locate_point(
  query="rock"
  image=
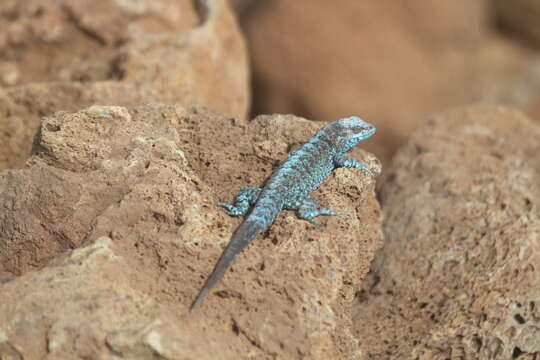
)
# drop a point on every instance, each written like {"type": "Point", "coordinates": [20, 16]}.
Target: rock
{"type": "Point", "coordinates": [147, 51]}
{"type": "Point", "coordinates": [206, 66]}
{"type": "Point", "coordinates": [458, 276]}
{"type": "Point", "coordinates": [22, 107]}
{"type": "Point", "coordinates": [148, 178]}
{"type": "Point", "coordinates": [89, 305]}
{"type": "Point", "coordinates": [392, 64]}
{"type": "Point", "coordinates": [74, 40]}
{"type": "Point", "coordinates": [124, 156]}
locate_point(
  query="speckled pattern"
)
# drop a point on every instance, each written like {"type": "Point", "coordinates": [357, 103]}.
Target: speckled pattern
{"type": "Point", "coordinates": [289, 186]}
{"type": "Point", "coordinates": [458, 276]}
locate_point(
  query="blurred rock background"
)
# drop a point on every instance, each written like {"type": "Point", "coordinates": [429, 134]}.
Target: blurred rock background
{"type": "Point", "coordinates": [391, 62]}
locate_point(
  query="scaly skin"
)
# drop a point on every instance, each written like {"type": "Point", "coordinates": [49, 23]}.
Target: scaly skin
{"type": "Point", "coordinates": [289, 186]}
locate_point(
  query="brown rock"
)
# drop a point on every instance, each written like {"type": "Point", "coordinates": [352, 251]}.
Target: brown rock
{"type": "Point", "coordinates": [148, 178]}
{"type": "Point", "coordinates": [77, 40]}
{"type": "Point", "coordinates": [87, 305]}
{"type": "Point", "coordinates": [458, 276]}
{"type": "Point", "coordinates": [148, 51]}
{"type": "Point", "coordinates": [206, 66]}
{"type": "Point", "coordinates": [22, 107]}
{"type": "Point", "coordinates": [121, 154]}
{"type": "Point", "coordinates": [391, 63]}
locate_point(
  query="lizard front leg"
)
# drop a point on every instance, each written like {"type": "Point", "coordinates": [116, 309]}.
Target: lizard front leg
{"type": "Point", "coordinates": [247, 196]}
{"type": "Point", "coordinates": [350, 162]}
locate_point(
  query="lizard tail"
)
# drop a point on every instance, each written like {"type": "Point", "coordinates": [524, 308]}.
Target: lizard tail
{"type": "Point", "coordinates": [243, 235]}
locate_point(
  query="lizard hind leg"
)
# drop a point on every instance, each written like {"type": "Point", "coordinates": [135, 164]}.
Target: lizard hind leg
{"type": "Point", "coordinates": [308, 211]}
{"type": "Point", "coordinates": [247, 196]}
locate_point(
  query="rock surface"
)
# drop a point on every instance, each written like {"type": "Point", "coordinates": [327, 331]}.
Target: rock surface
{"type": "Point", "coordinates": [458, 276]}
{"type": "Point", "coordinates": [22, 108]}
{"type": "Point", "coordinates": [392, 64]}
{"type": "Point", "coordinates": [114, 53]}
{"type": "Point", "coordinates": [88, 306]}
{"type": "Point", "coordinates": [148, 179]}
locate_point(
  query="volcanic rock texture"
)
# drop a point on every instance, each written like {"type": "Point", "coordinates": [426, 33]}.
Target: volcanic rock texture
{"type": "Point", "coordinates": [66, 55]}
{"type": "Point", "coordinates": [134, 192]}
{"type": "Point", "coordinates": [459, 274]}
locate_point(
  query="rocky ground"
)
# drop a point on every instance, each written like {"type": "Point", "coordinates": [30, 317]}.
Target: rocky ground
{"type": "Point", "coordinates": [460, 267]}
{"type": "Point", "coordinates": [134, 192]}
{"type": "Point", "coordinates": [67, 55]}
{"type": "Point", "coordinates": [123, 123]}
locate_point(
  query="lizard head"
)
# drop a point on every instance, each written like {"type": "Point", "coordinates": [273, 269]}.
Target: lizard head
{"type": "Point", "coordinates": [347, 132]}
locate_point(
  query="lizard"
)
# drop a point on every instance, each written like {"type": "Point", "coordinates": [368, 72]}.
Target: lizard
{"type": "Point", "coordinates": [289, 187]}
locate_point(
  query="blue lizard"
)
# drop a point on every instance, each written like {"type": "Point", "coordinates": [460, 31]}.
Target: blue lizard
{"type": "Point", "coordinates": [288, 188]}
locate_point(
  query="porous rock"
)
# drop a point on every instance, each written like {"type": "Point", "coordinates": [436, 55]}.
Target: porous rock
{"type": "Point", "coordinates": [458, 276]}
{"type": "Point", "coordinates": [148, 178]}
{"type": "Point", "coordinates": [86, 305]}
{"type": "Point", "coordinates": [75, 40]}
{"type": "Point", "coordinates": [69, 55]}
